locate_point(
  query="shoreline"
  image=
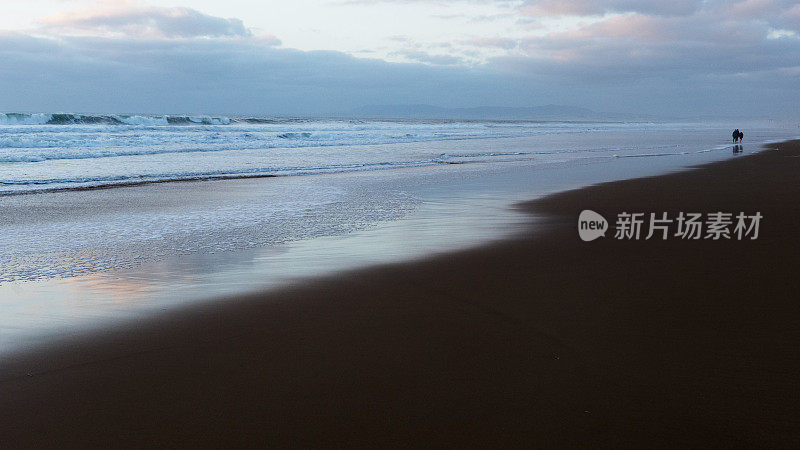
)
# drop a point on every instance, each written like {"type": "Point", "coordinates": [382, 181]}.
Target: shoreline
{"type": "Point", "coordinates": [538, 339]}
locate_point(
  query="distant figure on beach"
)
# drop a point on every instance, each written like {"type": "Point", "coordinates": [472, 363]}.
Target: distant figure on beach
{"type": "Point", "coordinates": [741, 136]}
{"type": "Point", "coordinates": [735, 135]}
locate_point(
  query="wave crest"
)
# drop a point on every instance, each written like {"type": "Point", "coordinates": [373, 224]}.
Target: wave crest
{"type": "Point", "coordinates": [113, 119]}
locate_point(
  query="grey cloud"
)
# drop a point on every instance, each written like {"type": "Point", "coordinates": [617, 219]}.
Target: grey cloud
{"type": "Point", "coordinates": [97, 74]}
{"type": "Point", "coordinates": [718, 57]}
{"type": "Point", "coordinates": [789, 19]}
{"type": "Point", "coordinates": [149, 21]}
{"type": "Point", "coordinates": [719, 40]}
{"type": "Point", "coordinates": [592, 7]}
{"type": "Point", "coordinates": [504, 43]}
{"type": "Point", "coordinates": [20, 43]}
{"type": "Point", "coordinates": [425, 57]}
{"type": "Point", "coordinates": [443, 2]}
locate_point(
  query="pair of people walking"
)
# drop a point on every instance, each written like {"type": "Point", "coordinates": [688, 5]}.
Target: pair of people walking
{"type": "Point", "coordinates": [737, 135]}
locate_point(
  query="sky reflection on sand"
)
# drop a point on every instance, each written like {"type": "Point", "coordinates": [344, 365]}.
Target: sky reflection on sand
{"type": "Point", "coordinates": [40, 310]}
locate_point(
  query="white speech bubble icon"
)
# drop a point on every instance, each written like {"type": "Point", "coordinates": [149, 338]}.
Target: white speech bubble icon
{"type": "Point", "coordinates": [591, 225]}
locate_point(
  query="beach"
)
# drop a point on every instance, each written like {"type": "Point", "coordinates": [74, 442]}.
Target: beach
{"type": "Point", "coordinates": [538, 339]}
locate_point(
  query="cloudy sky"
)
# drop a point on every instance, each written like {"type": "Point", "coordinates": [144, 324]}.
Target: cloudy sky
{"type": "Point", "coordinates": [675, 58]}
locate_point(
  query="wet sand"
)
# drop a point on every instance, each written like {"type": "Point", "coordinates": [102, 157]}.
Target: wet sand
{"type": "Point", "coordinates": [542, 339]}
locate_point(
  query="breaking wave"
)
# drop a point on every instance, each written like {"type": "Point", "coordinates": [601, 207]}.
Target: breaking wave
{"type": "Point", "coordinates": [112, 119]}
{"type": "Point", "coordinates": [63, 151]}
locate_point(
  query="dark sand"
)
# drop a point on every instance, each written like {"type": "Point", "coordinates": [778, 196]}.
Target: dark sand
{"type": "Point", "coordinates": [543, 339]}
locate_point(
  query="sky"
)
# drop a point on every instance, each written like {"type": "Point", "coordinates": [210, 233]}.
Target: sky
{"type": "Point", "coordinates": [678, 58]}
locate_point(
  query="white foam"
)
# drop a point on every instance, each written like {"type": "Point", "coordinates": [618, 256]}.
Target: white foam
{"type": "Point", "coordinates": [143, 120]}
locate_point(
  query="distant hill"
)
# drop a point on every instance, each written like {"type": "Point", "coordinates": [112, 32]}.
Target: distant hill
{"type": "Point", "coordinates": [547, 112]}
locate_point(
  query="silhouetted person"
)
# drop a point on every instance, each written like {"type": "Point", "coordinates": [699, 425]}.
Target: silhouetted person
{"type": "Point", "coordinates": [735, 135]}
{"type": "Point", "coordinates": [741, 136]}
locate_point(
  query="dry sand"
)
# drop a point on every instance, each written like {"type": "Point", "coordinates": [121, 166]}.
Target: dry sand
{"type": "Point", "coordinates": [543, 339]}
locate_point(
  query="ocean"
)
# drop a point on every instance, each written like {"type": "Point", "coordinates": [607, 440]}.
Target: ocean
{"type": "Point", "coordinates": [49, 152]}
{"type": "Point", "coordinates": [103, 217]}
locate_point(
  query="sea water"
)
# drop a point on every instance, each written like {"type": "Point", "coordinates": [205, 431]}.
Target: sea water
{"type": "Point", "coordinates": [107, 216]}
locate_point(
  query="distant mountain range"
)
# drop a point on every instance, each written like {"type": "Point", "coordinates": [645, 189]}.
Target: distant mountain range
{"type": "Point", "coordinates": [547, 112]}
